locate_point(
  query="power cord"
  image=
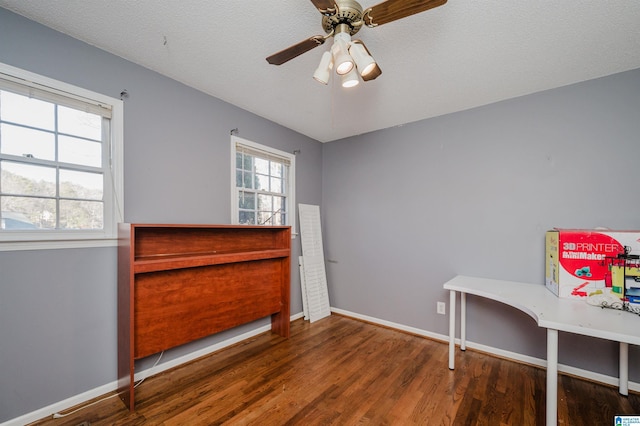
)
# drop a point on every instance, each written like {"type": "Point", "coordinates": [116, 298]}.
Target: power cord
{"type": "Point", "coordinates": [60, 415]}
{"type": "Point", "coordinates": [153, 366]}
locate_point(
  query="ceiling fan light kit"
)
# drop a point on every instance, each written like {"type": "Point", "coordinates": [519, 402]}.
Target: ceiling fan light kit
{"type": "Point", "coordinates": [365, 63]}
{"type": "Point", "coordinates": [340, 51]}
{"type": "Point", "coordinates": [323, 72]}
{"type": "Point", "coordinates": [341, 19]}
{"type": "Point", "coordinates": [350, 79]}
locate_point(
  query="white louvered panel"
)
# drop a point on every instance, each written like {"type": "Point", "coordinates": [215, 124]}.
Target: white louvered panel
{"type": "Point", "coordinates": [315, 279]}
{"type": "Point", "coordinates": [303, 286]}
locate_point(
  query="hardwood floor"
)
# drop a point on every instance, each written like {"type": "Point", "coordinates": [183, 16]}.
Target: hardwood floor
{"type": "Point", "coordinates": [340, 371]}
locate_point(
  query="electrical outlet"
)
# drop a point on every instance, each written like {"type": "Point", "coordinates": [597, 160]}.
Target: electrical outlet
{"type": "Point", "coordinates": [442, 308]}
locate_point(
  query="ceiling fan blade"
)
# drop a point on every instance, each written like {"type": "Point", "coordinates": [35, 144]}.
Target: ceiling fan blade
{"type": "Point", "coordinates": [326, 7]}
{"type": "Point", "coordinates": [392, 10]}
{"type": "Point", "coordinates": [295, 50]}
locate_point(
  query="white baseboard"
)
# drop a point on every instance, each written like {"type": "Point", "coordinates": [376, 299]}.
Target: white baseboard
{"type": "Point", "coordinates": [567, 369]}
{"type": "Point", "coordinates": [395, 325]}
{"type": "Point", "coordinates": [61, 405]}
{"type": "Point", "coordinates": [110, 387]}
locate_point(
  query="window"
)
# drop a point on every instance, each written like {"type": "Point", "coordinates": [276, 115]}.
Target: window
{"type": "Point", "coordinates": [263, 184]}
{"type": "Point", "coordinates": [60, 163]}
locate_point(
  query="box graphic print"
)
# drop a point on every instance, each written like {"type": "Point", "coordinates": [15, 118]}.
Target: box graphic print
{"type": "Point", "coordinates": [582, 261]}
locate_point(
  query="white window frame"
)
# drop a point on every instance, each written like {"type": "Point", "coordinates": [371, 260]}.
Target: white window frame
{"type": "Point", "coordinates": [291, 179]}
{"type": "Point", "coordinates": [113, 180]}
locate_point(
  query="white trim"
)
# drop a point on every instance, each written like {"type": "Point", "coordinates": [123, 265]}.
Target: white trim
{"type": "Point", "coordinates": [26, 83]}
{"type": "Point", "coordinates": [291, 179]}
{"type": "Point", "coordinates": [113, 386]}
{"type": "Point", "coordinates": [514, 356]}
{"type": "Point", "coordinates": [57, 244]}
{"type": "Point", "coordinates": [30, 89]}
{"type": "Point", "coordinates": [114, 205]}
{"type": "Point", "coordinates": [232, 181]}
{"type": "Point", "coordinates": [61, 405]}
{"type": "Point", "coordinates": [395, 325]}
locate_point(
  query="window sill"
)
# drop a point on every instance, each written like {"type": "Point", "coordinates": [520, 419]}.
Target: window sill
{"type": "Point", "coordinates": [57, 244]}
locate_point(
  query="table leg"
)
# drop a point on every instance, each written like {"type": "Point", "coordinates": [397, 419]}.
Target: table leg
{"type": "Point", "coordinates": [552, 377]}
{"type": "Point", "coordinates": [624, 369]}
{"type": "Point", "coordinates": [452, 329]}
{"type": "Point", "coordinates": [463, 321]}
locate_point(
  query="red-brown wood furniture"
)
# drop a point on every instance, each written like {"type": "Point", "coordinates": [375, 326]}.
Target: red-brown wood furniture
{"type": "Point", "coordinates": [179, 283]}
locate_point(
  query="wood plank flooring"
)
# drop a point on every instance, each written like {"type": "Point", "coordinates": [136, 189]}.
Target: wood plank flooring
{"type": "Point", "coordinates": [340, 371]}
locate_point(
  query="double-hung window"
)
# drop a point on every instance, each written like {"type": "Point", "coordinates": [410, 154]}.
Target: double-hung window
{"type": "Point", "coordinates": [60, 163]}
{"type": "Point", "coordinates": [263, 184]}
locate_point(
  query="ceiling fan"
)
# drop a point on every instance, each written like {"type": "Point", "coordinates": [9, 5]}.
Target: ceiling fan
{"type": "Point", "coordinates": [341, 19]}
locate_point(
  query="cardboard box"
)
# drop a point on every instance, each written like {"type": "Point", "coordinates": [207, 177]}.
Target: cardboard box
{"type": "Point", "coordinates": [582, 261]}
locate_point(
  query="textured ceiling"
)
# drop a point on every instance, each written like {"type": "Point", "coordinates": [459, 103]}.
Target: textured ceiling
{"type": "Point", "coordinates": [461, 55]}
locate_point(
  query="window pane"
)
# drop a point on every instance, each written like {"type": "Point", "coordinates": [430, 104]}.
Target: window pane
{"type": "Point", "coordinates": [262, 182]}
{"type": "Point", "coordinates": [26, 142]}
{"type": "Point", "coordinates": [28, 111]}
{"type": "Point", "coordinates": [270, 218]}
{"type": "Point", "coordinates": [15, 220]}
{"type": "Point", "coordinates": [276, 185]}
{"type": "Point", "coordinates": [247, 200]}
{"type": "Point", "coordinates": [81, 214]}
{"type": "Point", "coordinates": [264, 218]}
{"type": "Point", "coordinates": [276, 169]}
{"type": "Point", "coordinates": [265, 202]}
{"type": "Point", "coordinates": [83, 185]}
{"type": "Point", "coordinates": [55, 166]}
{"type": "Point", "coordinates": [79, 123]}
{"type": "Point", "coordinates": [267, 179]}
{"type": "Point", "coordinates": [248, 162]}
{"type": "Point", "coordinates": [79, 151]}
{"type": "Point", "coordinates": [278, 204]}
{"type": "Point", "coordinates": [247, 218]}
{"type": "Point", "coordinates": [24, 179]}
{"type": "Point", "coordinates": [278, 219]}
{"type": "Point", "coordinates": [248, 181]}
{"type": "Point", "coordinates": [262, 166]}
{"type": "Point", "coordinates": [28, 213]}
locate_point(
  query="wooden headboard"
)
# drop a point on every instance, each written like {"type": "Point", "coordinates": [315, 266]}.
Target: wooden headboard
{"type": "Point", "coordinates": [180, 283]}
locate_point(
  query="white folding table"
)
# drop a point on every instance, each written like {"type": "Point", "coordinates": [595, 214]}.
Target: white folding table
{"type": "Point", "coordinates": [553, 313]}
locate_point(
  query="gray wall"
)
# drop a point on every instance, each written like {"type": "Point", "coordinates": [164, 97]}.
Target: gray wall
{"type": "Point", "coordinates": [472, 193]}
{"type": "Point", "coordinates": [403, 210]}
{"type": "Point", "coordinates": [58, 307]}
